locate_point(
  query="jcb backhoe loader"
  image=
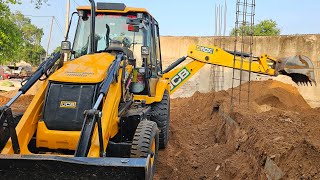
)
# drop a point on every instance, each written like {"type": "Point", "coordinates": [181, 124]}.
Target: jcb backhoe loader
{"type": "Point", "coordinates": [105, 112]}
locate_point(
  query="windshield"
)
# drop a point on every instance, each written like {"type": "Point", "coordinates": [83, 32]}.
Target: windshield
{"type": "Point", "coordinates": [119, 34]}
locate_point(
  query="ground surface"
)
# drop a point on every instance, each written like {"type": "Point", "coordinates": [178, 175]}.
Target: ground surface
{"type": "Point", "coordinates": [277, 136]}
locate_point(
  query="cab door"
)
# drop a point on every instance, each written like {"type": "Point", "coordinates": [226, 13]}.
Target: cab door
{"type": "Point", "coordinates": [158, 49]}
{"type": "Point", "coordinates": [155, 56]}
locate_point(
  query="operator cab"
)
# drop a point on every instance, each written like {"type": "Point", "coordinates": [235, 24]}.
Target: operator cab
{"type": "Point", "coordinates": [132, 31]}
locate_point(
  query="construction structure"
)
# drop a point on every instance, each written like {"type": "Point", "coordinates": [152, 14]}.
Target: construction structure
{"type": "Point", "coordinates": [243, 32]}
{"type": "Point", "coordinates": [217, 72]}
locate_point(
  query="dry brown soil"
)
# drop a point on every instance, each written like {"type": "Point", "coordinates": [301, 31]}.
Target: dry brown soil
{"type": "Point", "coordinates": [278, 125]}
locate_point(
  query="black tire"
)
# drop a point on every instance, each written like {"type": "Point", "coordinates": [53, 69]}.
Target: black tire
{"type": "Point", "coordinates": [146, 135]}
{"type": "Point", "coordinates": [161, 115]}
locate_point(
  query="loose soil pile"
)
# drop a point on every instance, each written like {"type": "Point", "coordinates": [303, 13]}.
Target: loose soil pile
{"type": "Point", "coordinates": [20, 105]}
{"type": "Point", "coordinates": [277, 136]}
{"type": "Point", "coordinates": [23, 101]}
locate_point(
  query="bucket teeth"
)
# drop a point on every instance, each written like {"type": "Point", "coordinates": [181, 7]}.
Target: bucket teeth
{"type": "Point", "coordinates": [304, 83]}
{"type": "Point", "coordinates": [300, 68]}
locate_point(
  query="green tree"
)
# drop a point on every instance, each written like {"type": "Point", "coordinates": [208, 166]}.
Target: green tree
{"type": "Point", "coordinates": [264, 28]}
{"type": "Point", "coordinates": [58, 49]}
{"type": "Point", "coordinates": [30, 48]}
{"type": "Point", "coordinates": [267, 28]}
{"type": "Point", "coordinates": [245, 30]}
{"type": "Point", "coordinates": [10, 34]}
{"type": "Point", "coordinates": [19, 39]}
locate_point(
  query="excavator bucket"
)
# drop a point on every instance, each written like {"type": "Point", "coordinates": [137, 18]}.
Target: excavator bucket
{"type": "Point", "coordinates": [300, 68]}
{"type": "Point", "coordinates": [58, 167]}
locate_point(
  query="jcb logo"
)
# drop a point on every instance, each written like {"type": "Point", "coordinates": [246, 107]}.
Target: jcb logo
{"type": "Point", "coordinates": [179, 78]}
{"type": "Point", "coordinates": [68, 104]}
{"type": "Point", "coordinates": [205, 49]}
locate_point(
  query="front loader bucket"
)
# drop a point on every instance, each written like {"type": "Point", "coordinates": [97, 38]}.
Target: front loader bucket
{"type": "Point", "coordinates": [300, 68]}
{"type": "Point", "coordinates": [58, 167]}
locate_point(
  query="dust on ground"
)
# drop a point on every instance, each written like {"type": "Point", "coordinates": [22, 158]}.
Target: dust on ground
{"type": "Point", "coordinates": [279, 127]}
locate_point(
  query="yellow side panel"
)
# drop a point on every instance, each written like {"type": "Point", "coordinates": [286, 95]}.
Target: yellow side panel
{"type": "Point", "coordinates": [109, 117]}
{"type": "Point", "coordinates": [28, 123]}
{"type": "Point", "coordinates": [85, 69]}
{"type": "Point", "coordinates": [53, 139]}
{"type": "Point", "coordinates": [162, 85]}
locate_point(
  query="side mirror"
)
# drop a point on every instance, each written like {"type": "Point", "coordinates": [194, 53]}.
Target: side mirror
{"type": "Point", "coordinates": [66, 46]}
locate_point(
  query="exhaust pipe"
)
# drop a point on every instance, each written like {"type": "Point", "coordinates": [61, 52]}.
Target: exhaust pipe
{"type": "Point", "coordinates": [93, 26]}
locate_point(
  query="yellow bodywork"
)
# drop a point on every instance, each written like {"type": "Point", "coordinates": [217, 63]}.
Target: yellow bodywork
{"type": "Point", "coordinates": [86, 69]}
{"type": "Point", "coordinates": [162, 85]}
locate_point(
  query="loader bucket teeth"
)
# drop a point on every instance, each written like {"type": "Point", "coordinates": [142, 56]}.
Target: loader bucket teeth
{"type": "Point", "coordinates": [300, 68]}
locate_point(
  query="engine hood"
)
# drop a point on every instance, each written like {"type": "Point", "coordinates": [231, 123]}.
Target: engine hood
{"type": "Point", "coordinates": [85, 69]}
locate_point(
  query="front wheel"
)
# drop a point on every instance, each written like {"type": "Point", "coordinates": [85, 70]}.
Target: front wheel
{"type": "Point", "coordinates": [146, 142]}
{"type": "Point", "coordinates": [161, 115]}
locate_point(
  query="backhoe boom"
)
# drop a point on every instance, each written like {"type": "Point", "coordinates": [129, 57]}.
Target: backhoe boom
{"type": "Point", "coordinates": [202, 55]}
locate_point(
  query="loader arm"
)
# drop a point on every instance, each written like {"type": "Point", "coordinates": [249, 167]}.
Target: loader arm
{"type": "Point", "coordinates": [202, 55]}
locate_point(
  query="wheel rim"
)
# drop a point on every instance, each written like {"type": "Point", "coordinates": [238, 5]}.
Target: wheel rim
{"type": "Point", "coordinates": [153, 150]}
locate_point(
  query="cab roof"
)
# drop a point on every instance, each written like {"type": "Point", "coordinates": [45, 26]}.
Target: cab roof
{"type": "Point", "coordinates": [126, 10]}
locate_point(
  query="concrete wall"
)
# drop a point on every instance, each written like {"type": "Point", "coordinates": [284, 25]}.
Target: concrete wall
{"type": "Point", "coordinates": [276, 46]}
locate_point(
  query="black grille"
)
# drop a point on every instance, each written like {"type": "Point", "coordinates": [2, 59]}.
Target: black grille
{"type": "Point", "coordinates": [65, 104]}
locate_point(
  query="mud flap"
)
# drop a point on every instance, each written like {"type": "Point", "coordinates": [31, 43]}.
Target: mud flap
{"type": "Point", "coordinates": [300, 68]}
{"type": "Point", "coordinates": [58, 167]}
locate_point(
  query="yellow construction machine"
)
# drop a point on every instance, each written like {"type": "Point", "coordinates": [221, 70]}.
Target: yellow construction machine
{"type": "Point", "coordinates": [105, 112]}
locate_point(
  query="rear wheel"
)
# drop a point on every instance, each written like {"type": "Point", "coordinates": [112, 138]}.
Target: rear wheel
{"type": "Point", "coordinates": [146, 142]}
{"type": "Point", "coordinates": [161, 115]}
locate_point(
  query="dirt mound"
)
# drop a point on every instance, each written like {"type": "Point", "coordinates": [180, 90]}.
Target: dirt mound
{"type": "Point", "coordinates": [9, 94]}
{"type": "Point", "coordinates": [23, 101]}
{"type": "Point", "coordinates": [270, 100]}
{"type": "Point", "coordinates": [277, 94]}
{"type": "Point", "coordinates": [281, 141]}
{"type": "Point", "coordinates": [20, 105]}
{"type": "Point", "coordinates": [274, 94]}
